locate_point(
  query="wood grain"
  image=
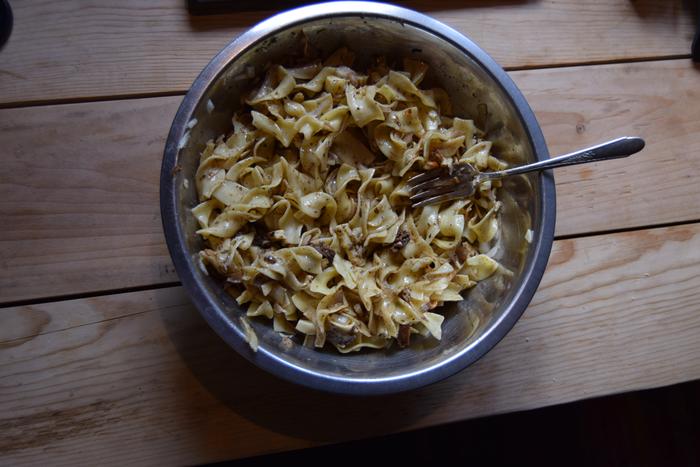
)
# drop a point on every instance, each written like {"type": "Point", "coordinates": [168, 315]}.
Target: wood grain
{"type": "Point", "coordinates": [577, 107]}
{"type": "Point", "coordinates": [88, 48]}
{"type": "Point", "coordinates": [79, 197]}
{"type": "Point", "coordinates": [142, 371]}
{"type": "Point", "coordinates": [79, 188]}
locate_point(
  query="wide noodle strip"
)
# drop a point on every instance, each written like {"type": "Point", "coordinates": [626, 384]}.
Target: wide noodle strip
{"type": "Point", "coordinates": [304, 206]}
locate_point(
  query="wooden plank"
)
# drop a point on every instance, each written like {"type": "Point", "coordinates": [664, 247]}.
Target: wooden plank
{"type": "Point", "coordinates": [79, 197]}
{"type": "Point", "coordinates": [614, 313]}
{"type": "Point", "coordinates": [79, 192]}
{"type": "Point", "coordinates": [577, 107]}
{"type": "Point", "coordinates": [76, 49]}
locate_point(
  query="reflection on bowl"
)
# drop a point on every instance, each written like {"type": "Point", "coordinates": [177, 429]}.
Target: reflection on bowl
{"type": "Point", "coordinates": [475, 83]}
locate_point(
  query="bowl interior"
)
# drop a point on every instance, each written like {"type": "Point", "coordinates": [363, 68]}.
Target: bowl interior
{"type": "Point", "coordinates": [475, 93]}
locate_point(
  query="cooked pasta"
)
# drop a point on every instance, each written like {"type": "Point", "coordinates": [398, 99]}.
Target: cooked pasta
{"type": "Point", "coordinates": [305, 213]}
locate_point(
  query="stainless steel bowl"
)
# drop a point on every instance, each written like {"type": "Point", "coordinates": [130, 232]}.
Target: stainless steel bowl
{"type": "Point", "coordinates": [475, 83]}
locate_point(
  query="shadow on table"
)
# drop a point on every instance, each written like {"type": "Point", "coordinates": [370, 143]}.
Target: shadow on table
{"type": "Point", "coordinates": [283, 407]}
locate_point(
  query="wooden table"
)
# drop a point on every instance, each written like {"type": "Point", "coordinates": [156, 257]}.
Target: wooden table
{"type": "Point", "coordinates": [104, 360]}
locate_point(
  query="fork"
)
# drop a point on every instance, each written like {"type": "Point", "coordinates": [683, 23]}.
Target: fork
{"type": "Point", "coordinates": [461, 180]}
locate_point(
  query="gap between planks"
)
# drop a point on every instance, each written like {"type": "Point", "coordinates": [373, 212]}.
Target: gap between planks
{"type": "Point", "coordinates": [134, 48]}
{"type": "Point", "coordinates": [148, 95]}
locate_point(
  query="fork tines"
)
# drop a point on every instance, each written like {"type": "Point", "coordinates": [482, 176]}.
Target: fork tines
{"type": "Point", "coordinates": [433, 197]}
{"type": "Point", "coordinates": [433, 174]}
{"type": "Point", "coordinates": [433, 186]}
{"type": "Point", "coordinates": [441, 176]}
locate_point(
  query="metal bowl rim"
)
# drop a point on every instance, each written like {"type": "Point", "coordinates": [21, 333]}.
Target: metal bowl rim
{"type": "Point", "coordinates": [213, 312]}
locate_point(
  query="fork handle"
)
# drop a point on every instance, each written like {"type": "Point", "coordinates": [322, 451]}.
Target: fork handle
{"type": "Point", "coordinates": [615, 149]}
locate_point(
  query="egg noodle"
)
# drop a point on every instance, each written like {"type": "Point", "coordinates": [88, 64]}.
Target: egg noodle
{"type": "Point", "coordinates": [305, 213]}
